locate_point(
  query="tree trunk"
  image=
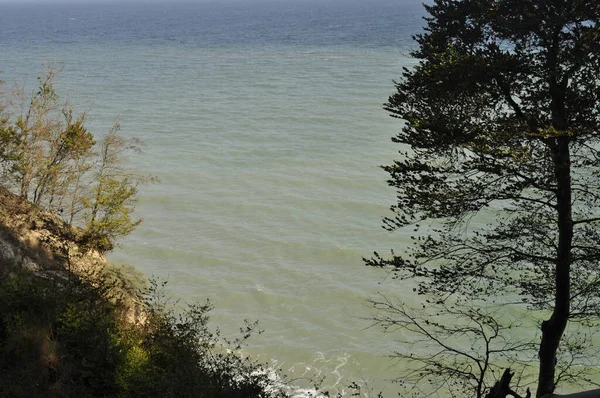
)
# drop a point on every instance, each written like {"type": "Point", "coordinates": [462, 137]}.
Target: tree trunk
{"type": "Point", "coordinates": [553, 328]}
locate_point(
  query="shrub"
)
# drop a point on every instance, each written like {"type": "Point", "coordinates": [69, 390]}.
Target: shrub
{"type": "Point", "coordinates": [70, 339]}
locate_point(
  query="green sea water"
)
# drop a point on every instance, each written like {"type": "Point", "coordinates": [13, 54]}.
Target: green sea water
{"type": "Point", "coordinates": [267, 153]}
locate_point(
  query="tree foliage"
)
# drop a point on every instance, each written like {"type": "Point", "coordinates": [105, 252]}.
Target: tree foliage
{"type": "Point", "coordinates": [500, 163]}
{"type": "Point", "coordinates": [114, 188]}
{"type": "Point", "coordinates": [49, 157]}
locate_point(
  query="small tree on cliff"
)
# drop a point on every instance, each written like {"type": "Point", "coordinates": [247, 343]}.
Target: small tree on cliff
{"type": "Point", "coordinates": [501, 141]}
{"type": "Point", "coordinates": [109, 207]}
{"type": "Point", "coordinates": [49, 157]}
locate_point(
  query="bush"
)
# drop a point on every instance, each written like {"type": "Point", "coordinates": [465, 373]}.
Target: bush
{"type": "Point", "coordinates": [67, 339]}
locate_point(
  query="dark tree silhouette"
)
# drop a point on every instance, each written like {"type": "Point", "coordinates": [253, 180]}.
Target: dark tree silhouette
{"type": "Point", "coordinates": [500, 147]}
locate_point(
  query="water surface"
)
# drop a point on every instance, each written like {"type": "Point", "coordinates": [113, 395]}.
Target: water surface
{"type": "Point", "coordinates": [264, 124]}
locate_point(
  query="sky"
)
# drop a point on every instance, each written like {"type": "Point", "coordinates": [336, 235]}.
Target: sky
{"type": "Point", "coordinates": [96, 1]}
{"type": "Point", "coordinates": [167, 2]}
{"type": "Point", "coordinates": [129, 1]}
{"type": "Point", "coordinates": [82, 2]}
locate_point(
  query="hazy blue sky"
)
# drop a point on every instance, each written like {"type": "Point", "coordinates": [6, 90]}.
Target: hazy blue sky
{"type": "Point", "coordinates": [166, 2]}
{"type": "Point", "coordinates": [150, 1]}
{"type": "Point", "coordinates": [104, 1]}
{"type": "Point", "coordinates": [124, 1]}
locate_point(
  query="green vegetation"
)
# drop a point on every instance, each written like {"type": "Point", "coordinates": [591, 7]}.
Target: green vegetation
{"type": "Point", "coordinates": [72, 340]}
{"type": "Point", "coordinates": [49, 157]}
{"type": "Point", "coordinates": [499, 181]}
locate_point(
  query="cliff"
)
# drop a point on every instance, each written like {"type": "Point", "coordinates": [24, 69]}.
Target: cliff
{"type": "Point", "coordinates": [41, 243]}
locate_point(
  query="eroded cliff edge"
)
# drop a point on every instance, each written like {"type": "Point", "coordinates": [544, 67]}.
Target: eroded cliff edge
{"type": "Point", "coordinates": [41, 243]}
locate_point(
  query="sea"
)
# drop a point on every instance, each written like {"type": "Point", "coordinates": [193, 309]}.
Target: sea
{"type": "Point", "coordinates": [263, 121]}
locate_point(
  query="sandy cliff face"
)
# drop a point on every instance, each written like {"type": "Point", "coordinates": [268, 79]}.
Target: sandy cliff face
{"type": "Point", "coordinates": [40, 242]}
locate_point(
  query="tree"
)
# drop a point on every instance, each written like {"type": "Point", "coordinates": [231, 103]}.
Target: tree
{"type": "Point", "coordinates": [43, 142]}
{"type": "Point", "coordinates": [49, 157]}
{"type": "Point", "coordinates": [114, 191]}
{"type": "Point", "coordinates": [501, 150]}
{"type": "Point", "coordinates": [452, 349]}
